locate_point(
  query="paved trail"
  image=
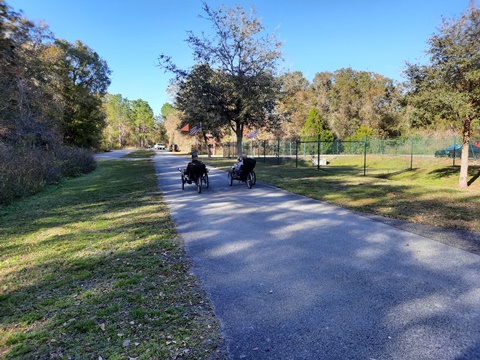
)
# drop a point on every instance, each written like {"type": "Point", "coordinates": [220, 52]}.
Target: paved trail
{"type": "Point", "coordinates": [294, 278]}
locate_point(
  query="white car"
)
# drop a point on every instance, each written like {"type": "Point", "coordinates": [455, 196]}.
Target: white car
{"type": "Point", "coordinates": [159, 146]}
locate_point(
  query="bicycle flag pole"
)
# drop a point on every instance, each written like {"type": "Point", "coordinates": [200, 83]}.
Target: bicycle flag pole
{"type": "Point", "coordinates": [251, 135]}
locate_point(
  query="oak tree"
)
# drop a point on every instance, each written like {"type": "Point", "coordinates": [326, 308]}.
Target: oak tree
{"type": "Point", "coordinates": [244, 63]}
{"type": "Point", "coordinates": [449, 87]}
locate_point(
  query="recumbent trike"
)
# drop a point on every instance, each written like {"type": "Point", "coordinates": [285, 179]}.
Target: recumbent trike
{"type": "Point", "coordinates": [195, 173]}
{"type": "Point", "coordinates": [246, 175]}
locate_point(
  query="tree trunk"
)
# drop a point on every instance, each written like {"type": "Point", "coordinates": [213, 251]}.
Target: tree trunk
{"type": "Point", "coordinates": [239, 133]}
{"type": "Point", "coordinates": [209, 153]}
{"type": "Point", "coordinates": [466, 127]}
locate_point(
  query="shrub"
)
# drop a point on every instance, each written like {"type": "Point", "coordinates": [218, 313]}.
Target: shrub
{"type": "Point", "coordinates": [75, 161]}
{"type": "Point", "coordinates": [25, 171]}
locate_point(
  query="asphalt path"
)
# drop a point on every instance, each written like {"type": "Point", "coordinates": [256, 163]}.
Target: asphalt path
{"type": "Point", "coordinates": [294, 278]}
{"type": "Point", "coordinates": [114, 154]}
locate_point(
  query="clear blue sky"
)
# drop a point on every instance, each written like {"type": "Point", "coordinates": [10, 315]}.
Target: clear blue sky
{"type": "Point", "coordinates": [319, 35]}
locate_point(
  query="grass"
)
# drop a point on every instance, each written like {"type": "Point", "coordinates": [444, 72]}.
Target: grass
{"type": "Point", "coordinates": [428, 194]}
{"type": "Point", "coordinates": [92, 268]}
{"type": "Point", "coordinates": [139, 154]}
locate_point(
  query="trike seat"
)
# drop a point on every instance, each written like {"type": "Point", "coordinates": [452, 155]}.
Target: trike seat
{"type": "Point", "coordinates": [195, 170]}
{"type": "Point", "coordinates": [247, 167]}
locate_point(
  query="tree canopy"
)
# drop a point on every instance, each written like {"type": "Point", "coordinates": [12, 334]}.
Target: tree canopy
{"type": "Point", "coordinates": [130, 123]}
{"type": "Point", "coordinates": [315, 126]}
{"type": "Point", "coordinates": [449, 87]}
{"type": "Point", "coordinates": [51, 89]}
{"type": "Point", "coordinates": [81, 78]}
{"type": "Point", "coordinates": [244, 91]}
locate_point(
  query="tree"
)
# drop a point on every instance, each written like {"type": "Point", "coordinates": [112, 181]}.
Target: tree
{"type": "Point", "coordinates": [130, 123]}
{"type": "Point", "coordinates": [166, 109]}
{"type": "Point", "coordinates": [81, 78]}
{"type": "Point", "coordinates": [244, 64]}
{"type": "Point", "coordinates": [117, 110]}
{"type": "Point", "coordinates": [449, 86]}
{"type": "Point", "coordinates": [32, 110]}
{"type": "Point", "coordinates": [159, 130]}
{"type": "Point", "coordinates": [296, 102]}
{"type": "Point", "coordinates": [321, 89]}
{"type": "Point", "coordinates": [349, 99]}
{"type": "Point", "coordinates": [199, 97]}
{"type": "Point", "coordinates": [172, 124]}
{"type": "Point", "coordinates": [362, 132]}
{"type": "Point", "coordinates": [28, 110]}
{"type": "Point", "coordinates": [143, 120]}
{"type": "Point", "coordinates": [315, 126]}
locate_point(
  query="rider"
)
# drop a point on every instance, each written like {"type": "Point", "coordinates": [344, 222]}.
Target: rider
{"type": "Point", "coordinates": [194, 164]}
{"type": "Point", "coordinates": [240, 163]}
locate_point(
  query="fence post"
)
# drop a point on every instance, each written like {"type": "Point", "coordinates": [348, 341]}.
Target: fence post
{"type": "Point", "coordinates": [365, 156]}
{"type": "Point", "coordinates": [411, 156]}
{"type": "Point", "coordinates": [296, 153]}
{"type": "Point", "coordinates": [278, 151]}
{"type": "Point", "coordinates": [318, 152]}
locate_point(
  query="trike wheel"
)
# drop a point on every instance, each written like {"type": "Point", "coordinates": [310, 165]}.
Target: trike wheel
{"type": "Point", "coordinates": [207, 182]}
{"type": "Point", "coordinates": [183, 182]}
{"type": "Point", "coordinates": [254, 177]}
{"type": "Point", "coordinates": [199, 185]}
{"type": "Point", "coordinates": [230, 178]}
{"type": "Point", "coordinates": [250, 180]}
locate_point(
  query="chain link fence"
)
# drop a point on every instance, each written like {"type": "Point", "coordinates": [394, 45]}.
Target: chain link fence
{"type": "Point", "coordinates": [370, 156]}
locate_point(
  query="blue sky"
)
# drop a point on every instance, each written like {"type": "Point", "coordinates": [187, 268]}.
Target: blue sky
{"type": "Point", "coordinates": [318, 35]}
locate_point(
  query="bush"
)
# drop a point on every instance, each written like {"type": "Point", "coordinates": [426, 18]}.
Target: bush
{"type": "Point", "coordinates": [23, 172]}
{"type": "Point", "coordinates": [75, 161]}
{"type": "Point", "coordinates": [27, 170]}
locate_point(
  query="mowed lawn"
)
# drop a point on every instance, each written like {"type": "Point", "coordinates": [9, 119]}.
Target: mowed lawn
{"type": "Point", "coordinates": [92, 269]}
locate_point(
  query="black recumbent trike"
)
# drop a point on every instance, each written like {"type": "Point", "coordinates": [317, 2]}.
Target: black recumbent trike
{"type": "Point", "coordinates": [196, 173]}
{"type": "Point", "coordinates": [246, 175]}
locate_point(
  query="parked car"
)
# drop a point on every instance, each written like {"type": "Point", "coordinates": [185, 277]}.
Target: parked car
{"type": "Point", "coordinates": [450, 151]}
{"type": "Point", "coordinates": [159, 146]}
{"type": "Point", "coordinates": [475, 150]}
{"type": "Point", "coordinates": [456, 150]}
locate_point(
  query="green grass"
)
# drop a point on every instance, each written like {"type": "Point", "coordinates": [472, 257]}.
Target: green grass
{"type": "Point", "coordinates": [139, 154]}
{"type": "Point", "coordinates": [427, 194]}
{"type": "Point", "coordinates": [92, 268]}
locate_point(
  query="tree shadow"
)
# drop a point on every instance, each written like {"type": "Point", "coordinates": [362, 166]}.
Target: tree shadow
{"type": "Point", "coordinates": [446, 172]}
{"type": "Point", "coordinates": [475, 177]}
